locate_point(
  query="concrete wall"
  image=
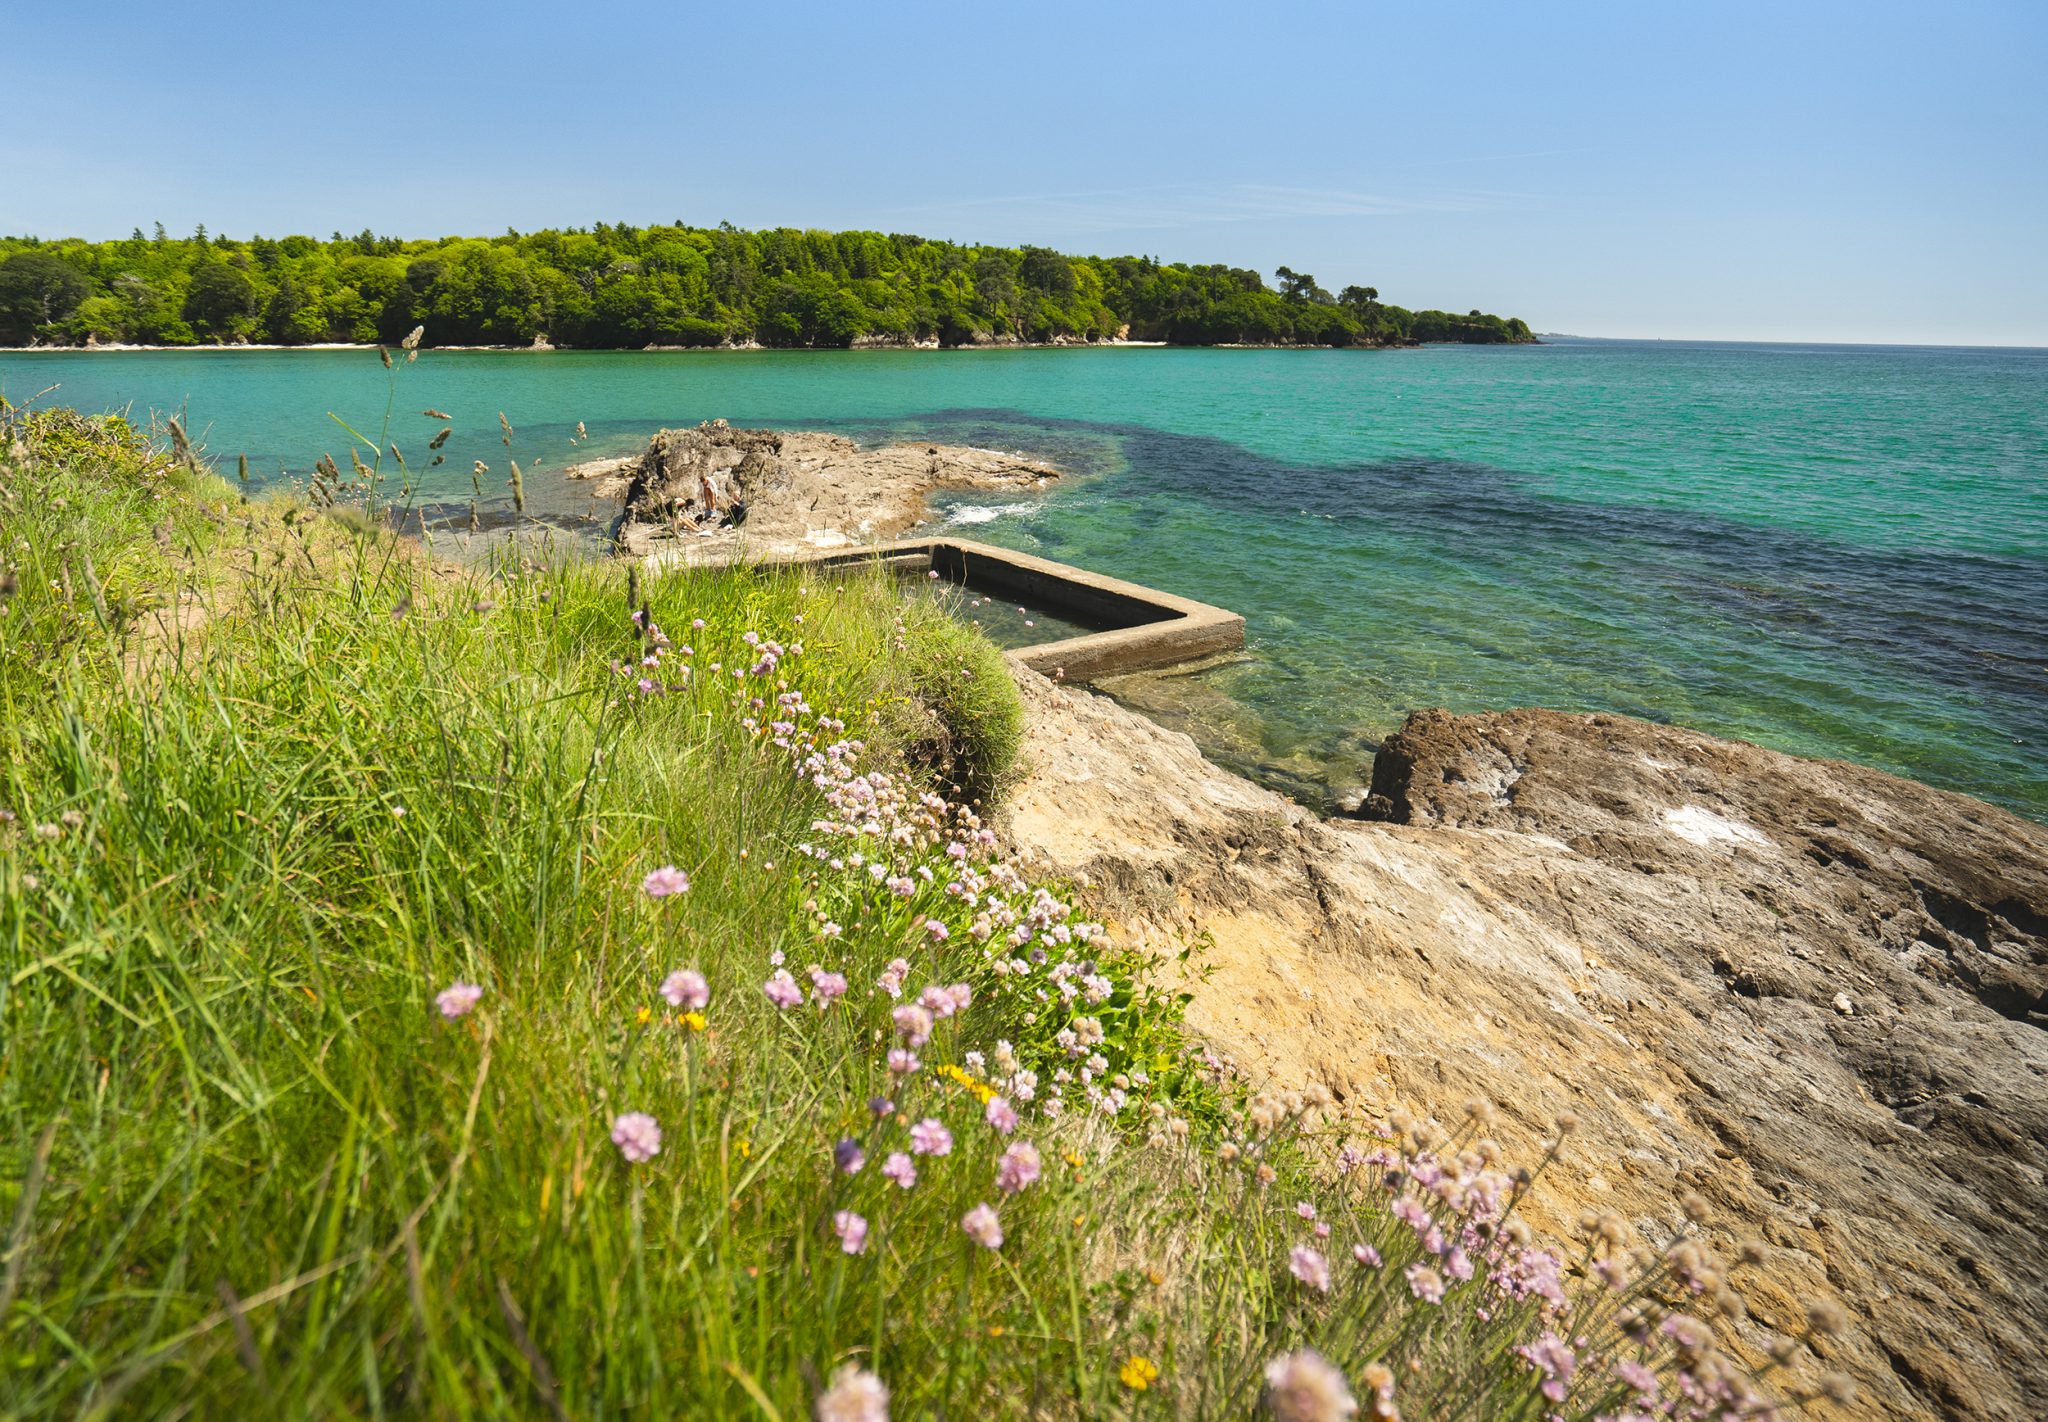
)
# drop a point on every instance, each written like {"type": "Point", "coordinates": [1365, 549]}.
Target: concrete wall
{"type": "Point", "coordinates": [1144, 628]}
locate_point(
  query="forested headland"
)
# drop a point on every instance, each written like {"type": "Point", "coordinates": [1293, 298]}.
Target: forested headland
{"type": "Point", "coordinates": [621, 286]}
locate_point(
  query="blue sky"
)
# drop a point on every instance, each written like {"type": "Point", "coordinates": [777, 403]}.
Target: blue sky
{"type": "Point", "coordinates": [1798, 170]}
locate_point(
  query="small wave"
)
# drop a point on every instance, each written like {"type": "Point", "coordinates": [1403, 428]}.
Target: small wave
{"type": "Point", "coordinates": [984, 513]}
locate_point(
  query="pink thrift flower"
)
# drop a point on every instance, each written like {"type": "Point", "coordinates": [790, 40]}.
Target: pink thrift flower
{"type": "Point", "coordinates": [1305, 1210]}
{"type": "Point", "coordinates": [457, 1000]}
{"type": "Point", "coordinates": [902, 1062]}
{"type": "Point", "coordinates": [826, 986]}
{"type": "Point", "coordinates": [855, 1396]}
{"type": "Point", "coordinates": [852, 1231]}
{"type": "Point", "coordinates": [1017, 1167]}
{"type": "Point", "coordinates": [1639, 1377]}
{"type": "Point", "coordinates": [1304, 1387]}
{"type": "Point", "coordinates": [637, 1135]}
{"type": "Point", "coordinates": [1001, 1115]}
{"type": "Point", "coordinates": [1366, 1255]}
{"type": "Point", "coordinates": [687, 990]}
{"type": "Point", "coordinates": [930, 1137]}
{"type": "Point", "coordinates": [781, 989]}
{"type": "Point", "coordinates": [982, 1226]}
{"type": "Point", "coordinates": [848, 1155]}
{"type": "Point", "coordinates": [1553, 1357]}
{"type": "Point", "coordinates": [937, 930]}
{"type": "Point", "coordinates": [665, 881]}
{"type": "Point", "coordinates": [913, 1024]}
{"type": "Point", "coordinates": [1425, 1283]}
{"type": "Point", "coordinates": [901, 1169]}
{"type": "Point", "coordinates": [1309, 1266]}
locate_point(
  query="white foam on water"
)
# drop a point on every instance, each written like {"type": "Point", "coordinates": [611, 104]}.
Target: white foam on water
{"type": "Point", "coordinates": [984, 513]}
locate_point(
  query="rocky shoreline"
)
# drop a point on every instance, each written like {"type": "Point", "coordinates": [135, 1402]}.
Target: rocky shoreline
{"type": "Point", "coordinates": [1811, 992]}
{"type": "Point", "coordinates": [713, 493]}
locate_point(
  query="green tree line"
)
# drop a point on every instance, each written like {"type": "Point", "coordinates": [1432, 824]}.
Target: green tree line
{"type": "Point", "coordinates": [623, 286]}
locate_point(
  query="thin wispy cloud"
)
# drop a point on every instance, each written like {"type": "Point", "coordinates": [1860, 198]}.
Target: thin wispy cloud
{"type": "Point", "coordinates": [1191, 205]}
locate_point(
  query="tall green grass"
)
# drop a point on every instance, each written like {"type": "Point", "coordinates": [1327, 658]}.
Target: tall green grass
{"type": "Point", "coordinates": [275, 781]}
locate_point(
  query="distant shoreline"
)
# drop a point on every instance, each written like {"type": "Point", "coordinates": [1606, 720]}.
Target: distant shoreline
{"type": "Point", "coordinates": [125, 348]}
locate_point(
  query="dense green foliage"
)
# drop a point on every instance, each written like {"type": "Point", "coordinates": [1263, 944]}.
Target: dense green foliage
{"type": "Point", "coordinates": [623, 286]}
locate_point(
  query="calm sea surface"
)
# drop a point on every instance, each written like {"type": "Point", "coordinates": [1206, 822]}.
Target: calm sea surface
{"type": "Point", "coordinates": [1834, 550]}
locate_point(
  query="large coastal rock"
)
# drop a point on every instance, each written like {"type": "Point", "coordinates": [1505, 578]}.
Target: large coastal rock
{"type": "Point", "coordinates": [712, 493]}
{"type": "Point", "coordinates": [1810, 991]}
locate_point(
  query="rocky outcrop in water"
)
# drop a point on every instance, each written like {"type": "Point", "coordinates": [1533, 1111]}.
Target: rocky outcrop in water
{"type": "Point", "coordinates": [713, 492]}
{"type": "Point", "coordinates": [1810, 991]}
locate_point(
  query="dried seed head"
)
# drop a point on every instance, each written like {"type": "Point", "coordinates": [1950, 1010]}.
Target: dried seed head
{"type": "Point", "coordinates": [1838, 1388]}
{"type": "Point", "coordinates": [1825, 1318]}
{"type": "Point", "coordinates": [1567, 1122]}
{"type": "Point", "coordinates": [1479, 1112]}
{"type": "Point", "coordinates": [1730, 1303]}
{"type": "Point", "coordinates": [1783, 1349]}
{"type": "Point", "coordinates": [1751, 1251]}
{"type": "Point", "coordinates": [384, 354]}
{"type": "Point", "coordinates": [412, 341]}
{"type": "Point", "coordinates": [437, 414]}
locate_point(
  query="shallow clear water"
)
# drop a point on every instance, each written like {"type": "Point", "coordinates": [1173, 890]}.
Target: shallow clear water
{"type": "Point", "coordinates": [1834, 550]}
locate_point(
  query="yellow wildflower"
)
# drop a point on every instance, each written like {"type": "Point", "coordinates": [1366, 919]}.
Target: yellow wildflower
{"type": "Point", "coordinates": [692, 1020]}
{"type": "Point", "coordinates": [1138, 1372]}
{"type": "Point", "coordinates": [746, 1148]}
{"type": "Point", "coordinates": [981, 1089]}
{"type": "Point", "coordinates": [643, 1015]}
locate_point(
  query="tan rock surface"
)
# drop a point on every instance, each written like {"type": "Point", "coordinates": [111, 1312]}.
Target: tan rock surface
{"type": "Point", "coordinates": [1810, 991]}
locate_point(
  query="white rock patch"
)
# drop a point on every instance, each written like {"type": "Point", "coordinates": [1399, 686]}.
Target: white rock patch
{"type": "Point", "coordinates": [1696, 824]}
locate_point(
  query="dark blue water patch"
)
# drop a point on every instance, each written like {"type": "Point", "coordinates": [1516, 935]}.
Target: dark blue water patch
{"type": "Point", "coordinates": [1901, 658]}
{"type": "Point", "coordinates": [1968, 619]}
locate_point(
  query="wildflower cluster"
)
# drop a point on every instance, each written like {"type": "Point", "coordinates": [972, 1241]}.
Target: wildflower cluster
{"type": "Point", "coordinates": [1414, 1249]}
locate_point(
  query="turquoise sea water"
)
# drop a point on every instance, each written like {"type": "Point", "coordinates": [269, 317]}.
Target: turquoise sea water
{"type": "Point", "coordinates": [1833, 550]}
